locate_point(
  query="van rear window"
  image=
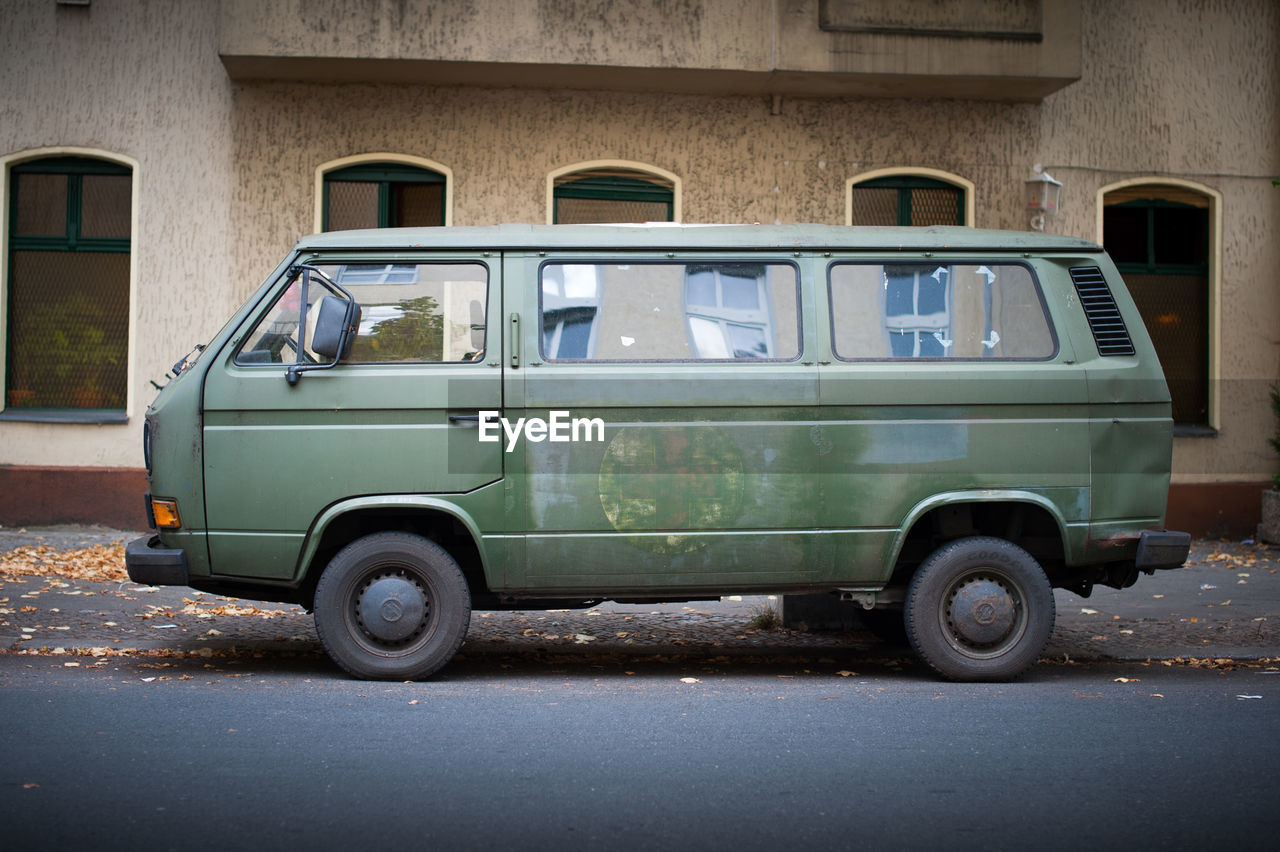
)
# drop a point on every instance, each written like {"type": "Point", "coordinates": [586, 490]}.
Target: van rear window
{"type": "Point", "coordinates": [713, 311]}
{"type": "Point", "coordinates": [931, 310]}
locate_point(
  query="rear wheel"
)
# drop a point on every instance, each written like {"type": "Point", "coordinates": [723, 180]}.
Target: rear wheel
{"type": "Point", "coordinates": [392, 606]}
{"type": "Point", "coordinates": [979, 609]}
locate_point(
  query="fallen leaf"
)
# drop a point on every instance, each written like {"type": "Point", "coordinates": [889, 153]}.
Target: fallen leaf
{"type": "Point", "coordinates": [689, 680]}
{"type": "Point", "coordinates": [1128, 680]}
{"type": "Point", "coordinates": [1087, 611]}
{"type": "Point", "coordinates": [846, 673]}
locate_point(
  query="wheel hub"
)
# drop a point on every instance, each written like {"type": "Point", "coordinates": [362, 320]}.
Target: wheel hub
{"type": "Point", "coordinates": [982, 612]}
{"type": "Point", "coordinates": [392, 609]}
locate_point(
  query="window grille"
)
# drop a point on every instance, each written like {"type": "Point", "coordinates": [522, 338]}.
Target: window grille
{"type": "Point", "coordinates": [68, 287]}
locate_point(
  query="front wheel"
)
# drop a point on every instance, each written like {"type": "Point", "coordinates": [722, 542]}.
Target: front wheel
{"type": "Point", "coordinates": [979, 608]}
{"type": "Point", "coordinates": [392, 606]}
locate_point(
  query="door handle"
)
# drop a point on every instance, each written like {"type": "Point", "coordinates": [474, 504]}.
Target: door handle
{"type": "Point", "coordinates": [465, 418]}
{"type": "Point", "coordinates": [514, 341]}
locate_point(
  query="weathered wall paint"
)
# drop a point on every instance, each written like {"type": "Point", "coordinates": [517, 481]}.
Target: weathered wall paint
{"type": "Point", "coordinates": [141, 80]}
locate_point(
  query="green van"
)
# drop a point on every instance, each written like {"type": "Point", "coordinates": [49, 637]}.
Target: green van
{"type": "Point", "coordinates": [402, 425]}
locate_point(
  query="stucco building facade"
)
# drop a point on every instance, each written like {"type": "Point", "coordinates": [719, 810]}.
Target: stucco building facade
{"type": "Point", "coordinates": [190, 144]}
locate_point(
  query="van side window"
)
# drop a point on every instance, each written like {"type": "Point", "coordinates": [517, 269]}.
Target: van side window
{"type": "Point", "coordinates": [966, 311]}
{"type": "Point", "coordinates": [712, 311]}
{"type": "Point", "coordinates": [410, 312]}
{"type": "Point", "coordinates": [274, 340]}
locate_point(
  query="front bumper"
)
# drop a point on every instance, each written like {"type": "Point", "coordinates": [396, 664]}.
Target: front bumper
{"type": "Point", "coordinates": [151, 563]}
{"type": "Point", "coordinates": [1162, 549]}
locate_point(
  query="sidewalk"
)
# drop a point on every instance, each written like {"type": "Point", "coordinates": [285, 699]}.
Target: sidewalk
{"type": "Point", "coordinates": [1224, 604]}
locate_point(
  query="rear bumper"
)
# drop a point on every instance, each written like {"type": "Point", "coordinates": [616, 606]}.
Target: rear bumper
{"type": "Point", "coordinates": [151, 563]}
{"type": "Point", "coordinates": [1162, 549]}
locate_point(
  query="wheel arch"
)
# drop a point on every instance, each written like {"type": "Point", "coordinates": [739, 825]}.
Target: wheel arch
{"type": "Point", "coordinates": [435, 519]}
{"type": "Point", "coordinates": [1025, 518]}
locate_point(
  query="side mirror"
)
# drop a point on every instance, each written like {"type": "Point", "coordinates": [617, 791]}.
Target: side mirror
{"type": "Point", "coordinates": [328, 328]}
{"type": "Point", "coordinates": [335, 330]}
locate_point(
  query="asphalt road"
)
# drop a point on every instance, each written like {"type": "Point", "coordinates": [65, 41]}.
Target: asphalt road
{"type": "Point", "coordinates": [596, 753]}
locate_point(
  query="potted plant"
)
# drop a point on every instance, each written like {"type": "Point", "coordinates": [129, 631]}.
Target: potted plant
{"type": "Point", "coordinates": [19, 393]}
{"type": "Point", "coordinates": [1269, 529]}
{"type": "Point", "coordinates": [78, 364]}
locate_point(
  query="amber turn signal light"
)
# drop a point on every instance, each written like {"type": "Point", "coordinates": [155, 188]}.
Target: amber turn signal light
{"type": "Point", "coordinates": [165, 512]}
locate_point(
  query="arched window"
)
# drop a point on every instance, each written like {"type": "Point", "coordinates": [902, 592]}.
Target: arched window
{"type": "Point", "coordinates": [67, 288]}
{"type": "Point", "coordinates": [1160, 237]}
{"type": "Point", "coordinates": [382, 195]}
{"type": "Point", "coordinates": [612, 194]}
{"type": "Point", "coordinates": [907, 198]}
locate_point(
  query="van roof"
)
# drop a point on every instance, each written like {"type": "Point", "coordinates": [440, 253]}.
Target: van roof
{"type": "Point", "coordinates": [663, 235]}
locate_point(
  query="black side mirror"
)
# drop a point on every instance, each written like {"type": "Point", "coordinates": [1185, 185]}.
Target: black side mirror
{"type": "Point", "coordinates": [335, 331]}
{"type": "Point", "coordinates": [330, 335]}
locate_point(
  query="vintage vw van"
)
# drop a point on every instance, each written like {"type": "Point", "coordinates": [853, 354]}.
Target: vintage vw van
{"type": "Point", "coordinates": [401, 426]}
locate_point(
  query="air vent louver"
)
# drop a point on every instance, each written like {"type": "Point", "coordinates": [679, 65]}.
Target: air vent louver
{"type": "Point", "coordinates": [1100, 309]}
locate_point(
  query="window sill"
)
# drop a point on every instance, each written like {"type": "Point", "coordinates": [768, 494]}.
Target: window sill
{"type": "Point", "coordinates": [64, 415]}
{"type": "Point", "coordinates": [1186, 431]}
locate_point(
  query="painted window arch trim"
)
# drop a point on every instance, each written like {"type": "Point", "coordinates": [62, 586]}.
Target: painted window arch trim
{"type": "Point", "coordinates": [1214, 198]}
{"type": "Point", "coordinates": [965, 186]}
{"type": "Point", "coordinates": [598, 165]}
{"type": "Point", "coordinates": [18, 158]}
{"type": "Point", "coordinates": [371, 159]}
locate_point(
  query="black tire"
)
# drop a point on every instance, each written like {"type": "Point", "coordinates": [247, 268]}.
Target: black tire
{"type": "Point", "coordinates": [392, 606]}
{"type": "Point", "coordinates": [979, 609]}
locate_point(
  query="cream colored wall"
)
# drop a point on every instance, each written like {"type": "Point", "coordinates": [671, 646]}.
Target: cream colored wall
{"type": "Point", "coordinates": [227, 169]}
{"type": "Point", "coordinates": [143, 83]}
{"type": "Point", "coordinates": [724, 34]}
{"type": "Point", "coordinates": [1190, 91]}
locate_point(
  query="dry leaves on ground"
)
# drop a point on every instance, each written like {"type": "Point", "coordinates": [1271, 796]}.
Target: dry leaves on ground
{"type": "Point", "coordinates": [101, 563]}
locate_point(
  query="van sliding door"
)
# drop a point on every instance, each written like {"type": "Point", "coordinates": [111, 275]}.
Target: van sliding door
{"type": "Point", "coordinates": [677, 401]}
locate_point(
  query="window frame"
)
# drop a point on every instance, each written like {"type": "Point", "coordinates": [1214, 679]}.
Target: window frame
{"type": "Point", "coordinates": [929, 178]}
{"type": "Point", "coordinates": [380, 159]}
{"type": "Point", "coordinates": [597, 168]}
{"type": "Point", "coordinates": [612, 188]}
{"type": "Point", "coordinates": [385, 175]}
{"type": "Point", "coordinates": [725, 317]}
{"type": "Point", "coordinates": [75, 163]}
{"type": "Point", "coordinates": [1213, 198]}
